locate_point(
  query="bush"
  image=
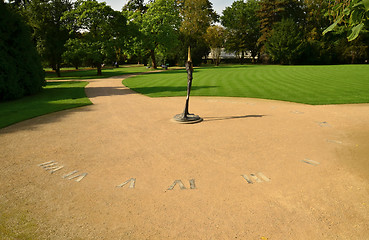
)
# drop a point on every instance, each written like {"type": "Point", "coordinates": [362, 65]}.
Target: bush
{"type": "Point", "coordinates": [21, 71]}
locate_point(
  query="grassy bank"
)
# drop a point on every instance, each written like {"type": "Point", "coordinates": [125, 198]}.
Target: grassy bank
{"type": "Point", "coordinates": [330, 84]}
{"type": "Point", "coordinates": [56, 96]}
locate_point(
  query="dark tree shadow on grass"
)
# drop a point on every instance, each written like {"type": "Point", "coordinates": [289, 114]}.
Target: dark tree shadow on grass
{"type": "Point", "coordinates": [22, 114]}
{"type": "Point", "coordinates": [178, 91]}
{"type": "Point", "coordinates": [32, 123]}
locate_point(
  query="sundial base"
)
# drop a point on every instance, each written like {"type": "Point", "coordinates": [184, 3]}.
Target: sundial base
{"type": "Point", "coordinates": [188, 118]}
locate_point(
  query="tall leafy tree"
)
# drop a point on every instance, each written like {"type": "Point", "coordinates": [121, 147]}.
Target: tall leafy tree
{"type": "Point", "coordinates": [21, 72]}
{"type": "Point", "coordinates": [215, 37]}
{"type": "Point", "coordinates": [159, 27]}
{"type": "Point", "coordinates": [243, 26]}
{"type": "Point", "coordinates": [75, 54]}
{"type": "Point", "coordinates": [269, 14]}
{"type": "Point", "coordinates": [273, 11]}
{"type": "Point", "coordinates": [319, 49]}
{"type": "Point", "coordinates": [49, 30]}
{"type": "Point", "coordinates": [99, 28]}
{"type": "Point", "coordinates": [197, 16]}
{"type": "Point", "coordinates": [133, 11]}
{"type": "Point", "coordinates": [316, 18]}
{"type": "Point", "coordinates": [285, 44]}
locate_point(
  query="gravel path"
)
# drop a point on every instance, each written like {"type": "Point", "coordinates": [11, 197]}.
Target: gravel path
{"type": "Point", "coordinates": [253, 169]}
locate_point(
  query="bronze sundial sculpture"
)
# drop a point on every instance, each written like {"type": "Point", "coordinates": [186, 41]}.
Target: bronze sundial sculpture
{"type": "Point", "coordinates": [187, 117]}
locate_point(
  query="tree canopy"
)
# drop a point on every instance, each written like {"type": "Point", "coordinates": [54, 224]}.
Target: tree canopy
{"type": "Point", "coordinates": [98, 28]}
{"type": "Point", "coordinates": [215, 38]}
{"type": "Point", "coordinates": [243, 27]}
{"type": "Point", "coordinates": [21, 71]}
{"type": "Point", "coordinates": [49, 30]}
{"type": "Point", "coordinates": [196, 16]}
{"type": "Point", "coordinates": [159, 27]}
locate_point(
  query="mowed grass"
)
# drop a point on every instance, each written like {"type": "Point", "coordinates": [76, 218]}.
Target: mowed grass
{"type": "Point", "coordinates": [88, 73]}
{"type": "Point", "coordinates": [56, 96]}
{"type": "Point", "coordinates": [317, 85]}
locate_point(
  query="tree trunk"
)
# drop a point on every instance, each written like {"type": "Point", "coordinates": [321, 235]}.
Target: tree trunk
{"type": "Point", "coordinates": [99, 70]}
{"type": "Point", "coordinates": [153, 60]}
{"type": "Point", "coordinates": [57, 70]}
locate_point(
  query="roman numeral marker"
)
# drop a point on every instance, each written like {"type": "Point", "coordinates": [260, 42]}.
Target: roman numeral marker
{"type": "Point", "coordinates": [181, 185]}
{"type": "Point", "coordinates": [132, 182]}
{"type": "Point", "coordinates": [311, 162]}
{"type": "Point", "coordinates": [51, 166]}
{"type": "Point", "coordinates": [259, 177]}
{"type": "Point", "coordinates": [78, 176]}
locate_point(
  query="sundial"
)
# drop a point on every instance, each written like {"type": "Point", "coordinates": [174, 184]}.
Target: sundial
{"type": "Point", "coordinates": [187, 117]}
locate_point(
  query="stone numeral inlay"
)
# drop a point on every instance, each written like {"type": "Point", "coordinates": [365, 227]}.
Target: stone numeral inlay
{"type": "Point", "coordinates": [181, 185]}
{"type": "Point", "coordinates": [258, 178]}
{"type": "Point", "coordinates": [53, 167]}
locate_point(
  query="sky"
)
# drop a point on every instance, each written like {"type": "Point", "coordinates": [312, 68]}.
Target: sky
{"type": "Point", "coordinates": [218, 5]}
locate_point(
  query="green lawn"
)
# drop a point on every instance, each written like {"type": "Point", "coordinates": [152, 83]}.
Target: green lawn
{"type": "Point", "coordinates": [55, 96]}
{"type": "Point", "coordinates": [88, 73]}
{"type": "Point", "coordinates": [327, 84]}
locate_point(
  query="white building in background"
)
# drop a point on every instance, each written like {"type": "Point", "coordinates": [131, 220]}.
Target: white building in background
{"type": "Point", "coordinates": [227, 55]}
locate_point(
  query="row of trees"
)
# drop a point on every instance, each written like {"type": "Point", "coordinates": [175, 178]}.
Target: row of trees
{"type": "Point", "coordinates": [290, 31]}
{"type": "Point", "coordinates": [91, 33]}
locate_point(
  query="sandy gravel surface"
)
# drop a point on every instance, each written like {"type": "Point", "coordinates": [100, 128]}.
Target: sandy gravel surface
{"type": "Point", "coordinates": [253, 169]}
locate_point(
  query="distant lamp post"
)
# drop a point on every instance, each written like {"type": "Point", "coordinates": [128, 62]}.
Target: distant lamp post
{"type": "Point", "coordinates": [187, 117]}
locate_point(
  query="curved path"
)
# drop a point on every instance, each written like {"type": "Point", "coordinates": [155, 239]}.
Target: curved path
{"type": "Point", "coordinates": [253, 169]}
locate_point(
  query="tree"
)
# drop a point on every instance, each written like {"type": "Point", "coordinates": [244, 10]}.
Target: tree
{"type": "Point", "coordinates": [273, 11]}
{"type": "Point", "coordinates": [159, 27]}
{"type": "Point", "coordinates": [243, 27]}
{"type": "Point", "coordinates": [75, 54]}
{"type": "Point", "coordinates": [133, 11]}
{"type": "Point", "coordinates": [49, 30]}
{"type": "Point", "coordinates": [215, 36]}
{"type": "Point", "coordinates": [21, 72]}
{"type": "Point", "coordinates": [352, 13]}
{"type": "Point", "coordinates": [316, 18]}
{"type": "Point", "coordinates": [100, 28]}
{"type": "Point", "coordinates": [197, 16]}
{"type": "Point", "coordinates": [285, 44]}
{"type": "Point", "coordinates": [135, 6]}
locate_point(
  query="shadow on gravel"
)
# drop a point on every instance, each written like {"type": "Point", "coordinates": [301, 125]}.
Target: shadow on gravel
{"type": "Point", "coordinates": [107, 91]}
{"type": "Point", "coordinates": [209, 119]}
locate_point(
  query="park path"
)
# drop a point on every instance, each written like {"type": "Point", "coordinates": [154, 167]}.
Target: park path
{"type": "Point", "coordinates": [253, 169]}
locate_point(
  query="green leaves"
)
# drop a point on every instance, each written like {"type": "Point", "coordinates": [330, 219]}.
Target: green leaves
{"type": "Point", "coordinates": [100, 30]}
{"type": "Point", "coordinates": [355, 31]}
{"type": "Point", "coordinates": [333, 26]}
{"type": "Point", "coordinates": [285, 44]}
{"type": "Point", "coordinates": [363, 3]}
{"type": "Point", "coordinates": [357, 13]}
